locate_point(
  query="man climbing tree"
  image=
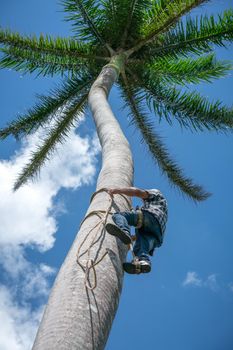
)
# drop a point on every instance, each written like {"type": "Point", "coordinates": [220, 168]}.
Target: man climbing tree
{"type": "Point", "coordinates": [146, 48]}
{"type": "Point", "coordinates": [149, 221]}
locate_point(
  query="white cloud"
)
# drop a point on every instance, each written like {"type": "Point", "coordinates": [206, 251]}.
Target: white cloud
{"type": "Point", "coordinates": [28, 218]}
{"type": "Point", "coordinates": [25, 215]}
{"type": "Point", "coordinates": [211, 282]}
{"type": "Point", "coordinates": [192, 279]}
{"type": "Point", "coordinates": [18, 323]}
{"type": "Point", "coordinates": [26, 282]}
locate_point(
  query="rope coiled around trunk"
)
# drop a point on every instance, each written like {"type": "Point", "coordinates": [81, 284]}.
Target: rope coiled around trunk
{"type": "Point", "coordinates": [90, 264]}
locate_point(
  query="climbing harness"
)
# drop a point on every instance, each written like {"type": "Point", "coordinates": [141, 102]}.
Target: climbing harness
{"type": "Point", "coordinates": [90, 264]}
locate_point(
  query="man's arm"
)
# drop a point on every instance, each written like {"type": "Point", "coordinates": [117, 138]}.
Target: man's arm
{"type": "Point", "coordinates": [129, 191]}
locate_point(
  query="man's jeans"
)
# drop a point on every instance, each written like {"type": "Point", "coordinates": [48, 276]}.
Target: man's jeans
{"type": "Point", "coordinates": [148, 236]}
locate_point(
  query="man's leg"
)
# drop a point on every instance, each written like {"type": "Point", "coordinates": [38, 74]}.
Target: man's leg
{"type": "Point", "coordinates": [125, 219]}
{"type": "Point", "coordinates": [120, 226]}
{"type": "Point", "coordinates": [145, 243]}
{"type": "Point", "coordinates": [147, 238]}
{"type": "Point", "coordinates": [141, 264]}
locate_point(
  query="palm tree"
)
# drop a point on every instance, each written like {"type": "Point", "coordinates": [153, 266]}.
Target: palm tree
{"type": "Point", "coordinates": [148, 50]}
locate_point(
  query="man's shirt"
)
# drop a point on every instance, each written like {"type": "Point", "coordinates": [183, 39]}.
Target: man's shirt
{"type": "Point", "coordinates": [156, 204]}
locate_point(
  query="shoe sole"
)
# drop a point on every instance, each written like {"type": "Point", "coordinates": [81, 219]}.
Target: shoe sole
{"type": "Point", "coordinates": [116, 231]}
{"type": "Point", "coordinates": [131, 268]}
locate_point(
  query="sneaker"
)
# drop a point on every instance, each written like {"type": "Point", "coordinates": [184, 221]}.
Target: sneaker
{"type": "Point", "coordinates": [137, 266]}
{"type": "Point", "coordinates": [115, 230]}
{"type": "Point", "coordinates": [145, 266]}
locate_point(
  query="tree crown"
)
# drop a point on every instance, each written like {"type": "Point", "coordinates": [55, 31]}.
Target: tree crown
{"type": "Point", "coordinates": [162, 53]}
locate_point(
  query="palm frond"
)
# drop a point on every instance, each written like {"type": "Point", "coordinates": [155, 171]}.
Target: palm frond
{"type": "Point", "coordinates": [58, 133]}
{"type": "Point", "coordinates": [135, 17]}
{"type": "Point", "coordinates": [196, 35]}
{"type": "Point", "coordinates": [158, 151]}
{"type": "Point", "coordinates": [47, 107]}
{"type": "Point", "coordinates": [190, 109]}
{"type": "Point", "coordinates": [114, 17]}
{"type": "Point", "coordinates": [47, 45]}
{"type": "Point", "coordinates": [133, 6]}
{"type": "Point", "coordinates": [26, 61]}
{"type": "Point", "coordinates": [46, 55]}
{"type": "Point", "coordinates": [85, 15]}
{"type": "Point", "coordinates": [188, 70]}
{"type": "Point", "coordinates": [121, 21]}
{"type": "Point", "coordinates": [163, 15]}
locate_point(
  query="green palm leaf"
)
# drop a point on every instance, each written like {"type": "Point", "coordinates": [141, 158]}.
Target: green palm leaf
{"type": "Point", "coordinates": [188, 70]}
{"type": "Point", "coordinates": [57, 134]}
{"type": "Point", "coordinates": [46, 44]}
{"type": "Point", "coordinates": [46, 55]}
{"type": "Point", "coordinates": [85, 15]}
{"type": "Point", "coordinates": [158, 151]}
{"type": "Point", "coordinates": [196, 35]}
{"type": "Point", "coordinates": [28, 62]}
{"type": "Point", "coordinates": [190, 109]}
{"type": "Point", "coordinates": [123, 18]}
{"type": "Point", "coordinates": [114, 17]}
{"type": "Point", "coordinates": [163, 15]}
{"type": "Point", "coordinates": [47, 107]}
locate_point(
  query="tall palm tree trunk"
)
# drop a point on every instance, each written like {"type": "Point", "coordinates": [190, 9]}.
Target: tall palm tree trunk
{"type": "Point", "coordinates": [77, 317]}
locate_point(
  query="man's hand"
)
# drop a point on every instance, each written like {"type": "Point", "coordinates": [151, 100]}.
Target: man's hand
{"type": "Point", "coordinates": [110, 191]}
{"type": "Point", "coordinates": [128, 191]}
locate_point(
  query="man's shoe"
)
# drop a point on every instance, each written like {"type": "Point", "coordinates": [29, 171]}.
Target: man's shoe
{"type": "Point", "coordinates": [145, 266]}
{"type": "Point", "coordinates": [137, 266]}
{"type": "Point", "coordinates": [115, 230]}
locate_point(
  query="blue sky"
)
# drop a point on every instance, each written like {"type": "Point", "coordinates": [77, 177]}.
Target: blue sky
{"type": "Point", "coordinates": [186, 302]}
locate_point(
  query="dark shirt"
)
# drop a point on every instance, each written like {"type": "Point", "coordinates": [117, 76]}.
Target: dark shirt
{"type": "Point", "coordinates": [156, 204]}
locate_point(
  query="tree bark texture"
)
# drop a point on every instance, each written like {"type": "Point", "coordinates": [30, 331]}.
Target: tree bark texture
{"type": "Point", "coordinates": [77, 318]}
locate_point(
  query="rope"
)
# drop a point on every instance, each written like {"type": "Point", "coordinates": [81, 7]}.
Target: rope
{"type": "Point", "coordinates": [90, 263]}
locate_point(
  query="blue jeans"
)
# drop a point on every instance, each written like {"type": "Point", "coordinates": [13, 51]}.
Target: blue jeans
{"type": "Point", "coordinates": [148, 237]}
